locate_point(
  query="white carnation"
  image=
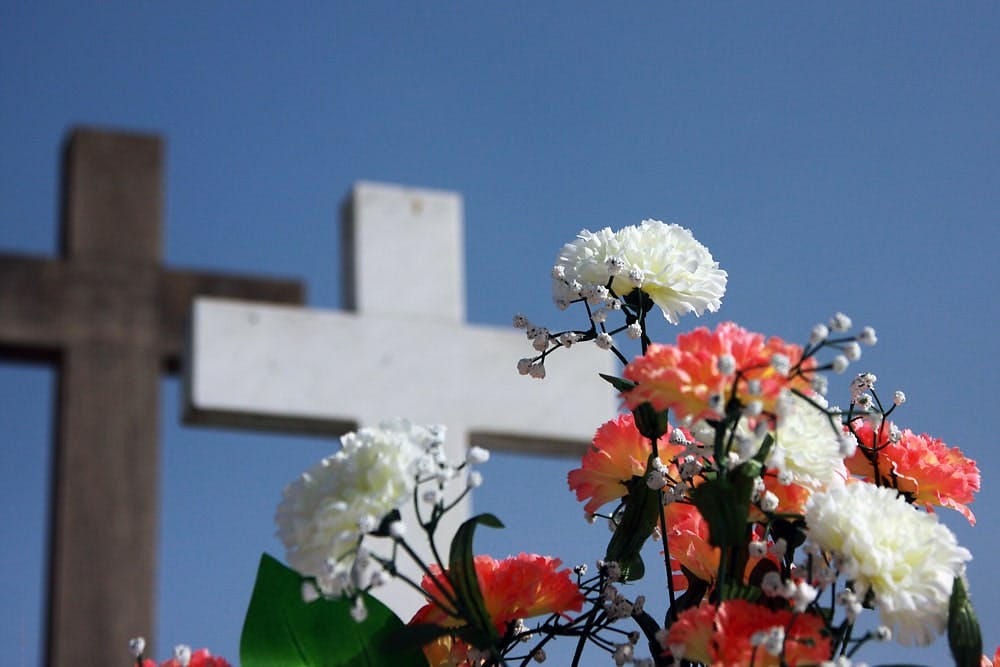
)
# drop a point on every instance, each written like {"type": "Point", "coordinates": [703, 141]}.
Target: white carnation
{"type": "Point", "coordinates": [883, 544]}
{"type": "Point", "coordinates": [373, 473]}
{"type": "Point", "coordinates": [664, 260]}
{"type": "Point", "coordinates": [678, 272]}
{"type": "Point", "coordinates": [806, 444]}
{"type": "Point", "coordinates": [584, 262]}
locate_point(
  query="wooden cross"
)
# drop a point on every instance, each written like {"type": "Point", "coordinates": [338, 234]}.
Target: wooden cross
{"type": "Point", "coordinates": [112, 319]}
{"type": "Point", "coordinates": [403, 350]}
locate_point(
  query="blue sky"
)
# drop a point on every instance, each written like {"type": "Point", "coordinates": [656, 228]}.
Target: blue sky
{"type": "Point", "coordinates": [832, 157]}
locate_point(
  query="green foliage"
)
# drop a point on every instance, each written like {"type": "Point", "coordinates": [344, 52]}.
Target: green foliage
{"type": "Point", "coordinates": [481, 632]}
{"type": "Point", "coordinates": [621, 384]}
{"type": "Point", "coordinates": [416, 635]}
{"type": "Point", "coordinates": [650, 422]}
{"type": "Point", "coordinates": [636, 523]}
{"type": "Point", "coordinates": [725, 505]}
{"type": "Point", "coordinates": [964, 638]}
{"type": "Point", "coordinates": [282, 630]}
{"type": "Point", "coordinates": [733, 590]}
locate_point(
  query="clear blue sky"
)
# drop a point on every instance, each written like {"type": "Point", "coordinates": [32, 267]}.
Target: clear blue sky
{"type": "Point", "coordinates": [833, 157]}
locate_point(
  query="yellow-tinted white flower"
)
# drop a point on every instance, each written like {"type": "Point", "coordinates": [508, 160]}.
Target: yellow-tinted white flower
{"type": "Point", "coordinates": [322, 513]}
{"type": "Point", "coordinates": [903, 555]}
{"type": "Point", "coordinates": [664, 260]}
{"type": "Point", "coordinates": [584, 262]}
{"type": "Point", "coordinates": [678, 272]}
{"type": "Point", "coordinates": [806, 444]}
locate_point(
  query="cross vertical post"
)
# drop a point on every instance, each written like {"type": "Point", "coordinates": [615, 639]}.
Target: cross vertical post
{"type": "Point", "coordinates": [112, 320]}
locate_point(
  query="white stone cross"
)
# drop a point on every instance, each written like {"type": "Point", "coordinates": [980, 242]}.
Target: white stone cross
{"type": "Point", "coordinates": [403, 350]}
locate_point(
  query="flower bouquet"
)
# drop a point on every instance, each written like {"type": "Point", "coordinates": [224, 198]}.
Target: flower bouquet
{"type": "Point", "coordinates": [771, 518]}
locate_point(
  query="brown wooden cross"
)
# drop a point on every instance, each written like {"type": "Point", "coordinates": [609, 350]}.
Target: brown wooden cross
{"type": "Point", "coordinates": [112, 319]}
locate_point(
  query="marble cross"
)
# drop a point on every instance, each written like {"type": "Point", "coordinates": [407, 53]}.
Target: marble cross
{"type": "Point", "coordinates": [402, 348]}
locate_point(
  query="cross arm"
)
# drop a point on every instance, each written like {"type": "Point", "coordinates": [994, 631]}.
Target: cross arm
{"type": "Point", "coordinates": [179, 289]}
{"type": "Point", "coordinates": [32, 297]}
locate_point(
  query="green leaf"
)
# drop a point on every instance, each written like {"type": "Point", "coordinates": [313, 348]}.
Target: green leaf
{"type": "Point", "coordinates": [732, 590]}
{"type": "Point", "coordinates": [462, 573]}
{"type": "Point", "coordinates": [650, 422]}
{"type": "Point", "coordinates": [621, 384]}
{"type": "Point", "coordinates": [281, 630]}
{"type": "Point", "coordinates": [964, 638]}
{"type": "Point", "coordinates": [765, 449]}
{"type": "Point", "coordinates": [725, 505]}
{"type": "Point", "coordinates": [642, 510]}
{"type": "Point", "coordinates": [415, 636]}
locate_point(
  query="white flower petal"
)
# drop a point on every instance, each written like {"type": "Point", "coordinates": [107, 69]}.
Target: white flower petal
{"type": "Point", "coordinates": [322, 513]}
{"type": "Point", "coordinates": [903, 555]}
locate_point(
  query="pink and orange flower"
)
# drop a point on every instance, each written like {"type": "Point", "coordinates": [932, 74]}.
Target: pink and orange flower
{"type": "Point", "coordinates": [721, 636]}
{"type": "Point", "coordinates": [688, 537]}
{"type": "Point", "coordinates": [684, 377]}
{"type": "Point", "coordinates": [514, 588]}
{"type": "Point", "coordinates": [618, 453]}
{"type": "Point", "coordinates": [200, 658]}
{"type": "Point", "coordinates": [792, 497]}
{"type": "Point", "coordinates": [923, 467]}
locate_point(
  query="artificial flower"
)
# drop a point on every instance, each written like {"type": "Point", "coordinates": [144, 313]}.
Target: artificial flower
{"type": "Point", "coordinates": [617, 453]}
{"type": "Point", "coordinates": [688, 540]}
{"type": "Point", "coordinates": [724, 636]}
{"type": "Point", "coordinates": [200, 658]}
{"type": "Point", "coordinates": [689, 379]}
{"type": "Point", "coordinates": [791, 497]}
{"type": "Point", "coordinates": [807, 443]}
{"type": "Point", "coordinates": [323, 514]}
{"type": "Point", "coordinates": [904, 556]}
{"type": "Point", "coordinates": [927, 470]}
{"type": "Point", "coordinates": [690, 635]}
{"type": "Point", "coordinates": [513, 589]}
{"type": "Point", "coordinates": [663, 260]}
{"type": "Point", "coordinates": [688, 537]}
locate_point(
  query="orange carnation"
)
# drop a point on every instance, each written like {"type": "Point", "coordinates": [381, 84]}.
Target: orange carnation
{"type": "Point", "coordinates": [792, 497]}
{"type": "Point", "coordinates": [687, 537]}
{"type": "Point", "coordinates": [683, 377]}
{"type": "Point", "coordinates": [200, 658]}
{"type": "Point", "coordinates": [617, 453]}
{"type": "Point", "coordinates": [921, 466]}
{"type": "Point", "coordinates": [721, 636]}
{"type": "Point", "coordinates": [513, 588]}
